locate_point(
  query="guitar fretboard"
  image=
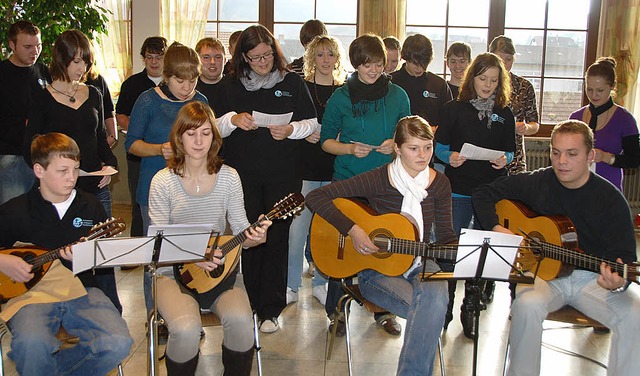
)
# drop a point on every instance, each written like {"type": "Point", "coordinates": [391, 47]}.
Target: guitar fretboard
{"type": "Point", "coordinates": [410, 247]}
{"type": "Point", "coordinates": [581, 260]}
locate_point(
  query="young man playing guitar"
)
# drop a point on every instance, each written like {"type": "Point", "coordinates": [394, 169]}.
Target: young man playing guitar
{"type": "Point", "coordinates": [604, 229]}
{"type": "Point", "coordinates": [51, 216]}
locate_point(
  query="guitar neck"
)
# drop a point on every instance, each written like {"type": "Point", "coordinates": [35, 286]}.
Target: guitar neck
{"type": "Point", "coordinates": [410, 247]}
{"type": "Point", "coordinates": [237, 240]}
{"type": "Point", "coordinates": [581, 260]}
{"type": "Point", "coordinates": [44, 258]}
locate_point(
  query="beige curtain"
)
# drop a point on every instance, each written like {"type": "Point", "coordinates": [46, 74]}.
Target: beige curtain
{"type": "Point", "coordinates": [620, 38]}
{"type": "Point", "coordinates": [382, 17]}
{"type": "Point", "coordinates": [113, 51]}
{"type": "Point", "coordinates": [184, 20]}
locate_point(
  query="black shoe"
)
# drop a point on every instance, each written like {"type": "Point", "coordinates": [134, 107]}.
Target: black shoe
{"type": "Point", "coordinates": [468, 323]}
{"type": "Point", "coordinates": [447, 319]}
{"type": "Point", "coordinates": [487, 292]}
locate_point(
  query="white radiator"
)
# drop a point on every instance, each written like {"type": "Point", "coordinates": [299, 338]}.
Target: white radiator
{"type": "Point", "coordinates": [538, 156]}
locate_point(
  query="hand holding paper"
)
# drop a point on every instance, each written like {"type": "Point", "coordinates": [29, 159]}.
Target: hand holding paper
{"type": "Point", "coordinates": [106, 171]}
{"type": "Point", "coordinates": [473, 152]}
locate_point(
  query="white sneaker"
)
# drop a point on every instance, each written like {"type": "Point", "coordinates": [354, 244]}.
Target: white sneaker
{"type": "Point", "coordinates": [292, 296]}
{"type": "Point", "coordinates": [320, 293]}
{"type": "Point", "coordinates": [269, 325]}
{"type": "Point", "coordinates": [312, 269]}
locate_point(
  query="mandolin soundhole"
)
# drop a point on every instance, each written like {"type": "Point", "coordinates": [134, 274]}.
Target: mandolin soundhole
{"type": "Point", "coordinates": [381, 232]}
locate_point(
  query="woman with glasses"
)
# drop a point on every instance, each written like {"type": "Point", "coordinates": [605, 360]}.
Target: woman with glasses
{"type": "Point", "coordinates": [266, 109]}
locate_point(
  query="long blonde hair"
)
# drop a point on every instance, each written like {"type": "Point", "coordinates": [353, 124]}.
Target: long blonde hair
{"type": "Point", "coordinates": [334, 46]}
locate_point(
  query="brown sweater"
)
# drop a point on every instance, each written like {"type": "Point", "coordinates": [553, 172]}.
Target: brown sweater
{"type": "Point", "coordinates": [382, 197]}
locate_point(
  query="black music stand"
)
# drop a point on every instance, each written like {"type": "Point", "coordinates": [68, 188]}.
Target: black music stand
{"type": "Point", "coordinates": [484, 267]}
{"type": "Point", "coordinates": [170, 244]}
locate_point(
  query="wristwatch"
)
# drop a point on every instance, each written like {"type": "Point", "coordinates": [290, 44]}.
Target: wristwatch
{"type": "Point", "coordinates": [621, 288]}
{"type": "Point", "coordinates": [612, 160]}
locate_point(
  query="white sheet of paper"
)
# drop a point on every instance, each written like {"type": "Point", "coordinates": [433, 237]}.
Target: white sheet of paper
{"type": "Point", "coordinates": [264, 120]}
{"type": "Point", "coordinates": [494, 267]}
{"type": "Point", "coordinates": [106, 172]}
{"type": "Point", "coordinates": [181, 243]}
{"type": "Point", "coordinates": [473, 152]}
{"type": "Point", "coordinates": [365, 145]}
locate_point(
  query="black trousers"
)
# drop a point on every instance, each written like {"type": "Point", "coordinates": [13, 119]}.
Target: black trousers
{"type": "Point", "coordinates": [264, 268]}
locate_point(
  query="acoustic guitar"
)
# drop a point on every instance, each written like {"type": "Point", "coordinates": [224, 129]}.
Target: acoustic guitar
{"type": "Point", "coordinates": [41, 259]}
{"type": "Point", "coordinates": [557, 240]}
{"type": "Point", "coordinates": [199, 280]}
{"type": "Point", "coordinates": [393, 234]}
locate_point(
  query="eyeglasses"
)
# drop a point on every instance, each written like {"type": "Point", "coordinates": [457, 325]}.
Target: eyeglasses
{"type": "Point", "coordinates": [264, 57]}
{"type": "Point", "coordinates": [153, 57]}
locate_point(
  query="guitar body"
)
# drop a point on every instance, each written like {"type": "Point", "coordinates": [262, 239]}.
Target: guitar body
{"type": "Point", "coordinates": [335, 255]}
{"type": "Point", "coordinates": [558, 230]}
{"type": "Point", "coordinates": [199, 280]}
{"type": "Point", "coordinates": [10, 289]}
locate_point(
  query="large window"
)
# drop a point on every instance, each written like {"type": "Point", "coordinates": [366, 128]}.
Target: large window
{"type": "Point", "coordinates": [227, 16]}
{"type": "Point", "coordinates": [289, 15]}
{"type": "Point", "coordinates": [551, 39]}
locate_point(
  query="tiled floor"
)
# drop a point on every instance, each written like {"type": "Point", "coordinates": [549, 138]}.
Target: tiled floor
{"type": "Point", "coordinates": [299, 347]}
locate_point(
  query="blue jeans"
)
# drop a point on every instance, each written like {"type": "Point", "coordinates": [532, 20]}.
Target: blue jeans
{"type": "Point", "coordinates": [422, 304]}
{"type": "Point", "coordinates": [299, 240]}
{"type": "Point", "coordinates": [619, 312]}
{"type": "Point", "coordinates": [104, 337]}
{"type": "Point", "coordinates": [462, 213]}
{"type": "Point", "coordinates": [104, 196]}
{"type": "Point", "coordinates": [16, 177]}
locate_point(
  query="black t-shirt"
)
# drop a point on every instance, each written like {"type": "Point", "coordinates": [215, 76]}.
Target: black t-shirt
{"type": "Point", "coordinates": [213, 92]}
{"type": "Point", "coordinates": [107, 102]}
{"type": "Point", "coordinates": [454, 89]}
{"type": "Point", "coordinates": [17, 86]}
{"type": "Point", "coordinates": [131, 89]}
{"type": "Point", "coordinates": [315, 163]}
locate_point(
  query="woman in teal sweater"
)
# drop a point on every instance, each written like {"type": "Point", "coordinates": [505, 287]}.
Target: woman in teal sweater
{"type": "Point", "coordinates": [358, 126]}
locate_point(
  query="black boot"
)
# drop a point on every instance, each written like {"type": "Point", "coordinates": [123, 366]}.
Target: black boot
{"type": "Point", "coordinates": [182, 369]}
{"type": "Point", "coordinates": [467, 310]}
{"type": "Point", "coordinates": [237, 363]}
{"type": "Point", "coordinates": [452, 296]}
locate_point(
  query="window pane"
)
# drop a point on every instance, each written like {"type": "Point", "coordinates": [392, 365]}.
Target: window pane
{"type": "Point", "coordinates": [239, 10]}
{"type": "Point", "coordinates": [561, 98]}
{"type": "Point", "coordinates": [292, 10]}
{"type": "Point", "coordinates": [477, 38]}
{"type": "Point", "coordinates": [528, 51]}
{"type": "Point", "coordinates": [432, 12]}
{"type": "Point", "coordinates": [468, 12]}
{"type": "Point", "coordinates": [213, 11]}
{"type": "Point", "coordinates": [288, 35]}
{"type": "Point", "coordinates": [337, 11]}
{"type": "Point", "coordinates": [211, 30]}
{"type": "Point", "coordinates": [436, 35]}
{"type": "Point", "coordinates": [565, 54]}
{"type": "Point", "coordinates": [568, 14]}
{"type": "Point", "coordinates": [524, 14]}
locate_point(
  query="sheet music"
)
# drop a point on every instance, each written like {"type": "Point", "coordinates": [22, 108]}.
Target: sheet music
{"type": "Point", "coordinates": [264, 120]}
{"type": "Point", "coordinates": [473, 152]}
{"type": "Point", "coordinates": [506, 245]}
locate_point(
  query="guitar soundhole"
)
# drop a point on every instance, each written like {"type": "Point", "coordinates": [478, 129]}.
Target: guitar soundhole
{"type": "Point", "coordinates": [537, 236]}
{"type": "Point", "coordinates": [217, 272]}
{"type": "Point", "coordinates": [381, 232]}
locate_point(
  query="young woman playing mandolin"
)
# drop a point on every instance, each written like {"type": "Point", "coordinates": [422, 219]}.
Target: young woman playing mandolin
{"type": "Point", "coordinates": [406, 185]}
{"type": "Point", "coordinates": [196, 187]}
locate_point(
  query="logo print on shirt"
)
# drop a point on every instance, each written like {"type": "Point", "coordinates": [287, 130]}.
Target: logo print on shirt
{"type": "Point", "coordinates": [280, 93]}
{"type": "Point", "coordinates": [427, 94]}
{"type": "Point", "coordinates": [495, 117]}
{"type": "Point", "coordinates": [77, 222]}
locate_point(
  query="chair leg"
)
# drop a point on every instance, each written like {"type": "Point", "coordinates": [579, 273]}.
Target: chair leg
{"type": "Point", "coordinates": [120, 371]}
{"type": "Point", "coordinates": [441, 354]}
{"type": "Point", "coordinates": [506, 359]}
{"type": "Point", "coordinates": [256, 337]}
{"type": "Point", "coordinates": [347, 309]}
{"type": "Point", "coordinates": [344, 299]}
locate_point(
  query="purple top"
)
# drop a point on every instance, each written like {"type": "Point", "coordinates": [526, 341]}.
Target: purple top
{"type": "Point", "coordinates": [609, 139]}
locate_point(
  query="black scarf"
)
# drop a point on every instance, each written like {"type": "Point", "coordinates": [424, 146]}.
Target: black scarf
{"type": "Point", "coordinates": [363, 95]}
{"type": "Point", "coordinates": [597, 111]}
{"type": "Point", "coordinates": [164, 88]}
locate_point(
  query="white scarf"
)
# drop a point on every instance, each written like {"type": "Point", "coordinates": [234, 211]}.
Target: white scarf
{"type": "Point", "coordinates": [413, 190]}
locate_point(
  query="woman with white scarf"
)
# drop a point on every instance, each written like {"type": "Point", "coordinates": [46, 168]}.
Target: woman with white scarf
{"type": "Point", "coordinates": [480, 116]}
{"type": "Point", "coordinates": [409, 186]}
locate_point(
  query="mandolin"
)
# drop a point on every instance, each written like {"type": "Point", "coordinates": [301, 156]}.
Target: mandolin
{"type": "Point", "coordinates": [41, 259]}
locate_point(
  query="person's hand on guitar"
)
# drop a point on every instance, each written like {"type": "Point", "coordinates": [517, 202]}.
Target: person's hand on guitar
{"type": "Point", "coordinates": [213, 263]}
{"type": "Point", "coordinates": [361, 241]}
{"type": "Point", "coordinates": [608, 279]}
{"type": "Point", "coordinates": [66, 253]}
{"type": "Point", "coordinates": [15, 268]}
{"type": "Point", "coordinates": [257, 235]}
